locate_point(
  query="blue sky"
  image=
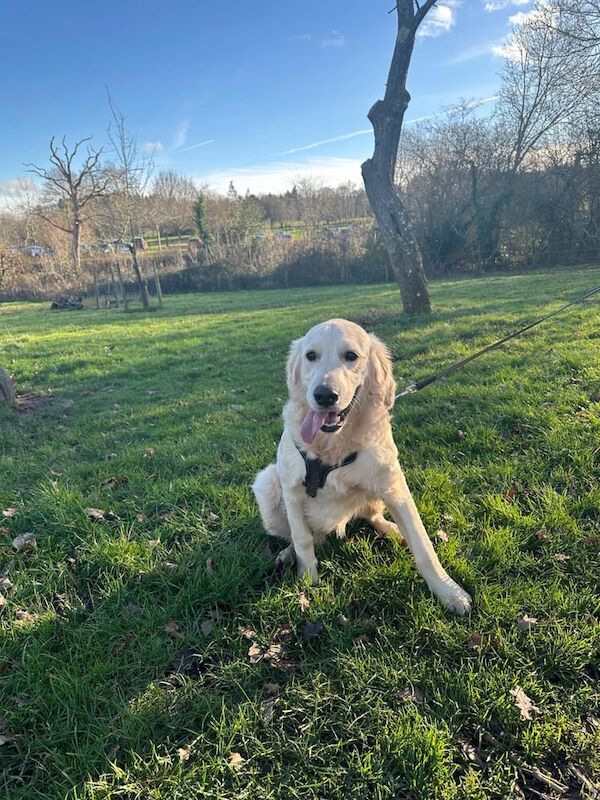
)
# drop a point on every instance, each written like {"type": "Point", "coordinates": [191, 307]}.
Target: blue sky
{"type": "Point", "coordinates": [231, 89]}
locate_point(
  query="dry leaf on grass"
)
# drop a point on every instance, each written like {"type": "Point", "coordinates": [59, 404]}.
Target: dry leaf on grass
{"type": "Point", "coordinates": [236, 760]}
{"type": "Point", "coordinates": [25, 616]}
{"type": "Point", "coordinates": [5, 584]}
{"type": "Point", "coordinates": [153, 543]}
{"type": "Point", "coordinates": [115, 482]}
{"type": "Point", "coordinates": [561, 557]}
{"type": "Point", "coordinates": [141, 517]}
{"type": "Point", "coordinates": [95, 514]}
{"type": "Point", "coordinates": [542, 535]}
{"type": "Point", "coordinates": [410, 694]}
{"type": "Point", "coordinates": [441, 534]}
{"type": "Point", "coordinates": [255, 653]}
{"type": "Point", "coordinates": [479, 642]}
{"type": "Point", "coordinates": [207, 627]}
{"type": "Point", "coordinates": [170, 566]}
{"type": "Point", "coordinates": [19, 702]}
{"type": "Point", "coordinates": [10, 512]}
{"type": "Point", "coordinates": [269, 710]}
{"type": "Point", "coordinates": [510, 495]}
{"type": "Point", "coordinates": [211, 564]}
{"type": "Point", "coordinates": [2, 602]}
{"type": "Point", "coordinates": [523, 703]}
{"type": "Point", "coordinates": [7, 738]}
{"type": "Point", "coordinates": [24, 542]}
{"type": "Point", "coordinates": [149, 452]}
{"type": "Point", "coordinates": [212, 517]}
{"type": "Point", "coordinates": [303, 601]}
{"type": "Point", "coordinates": [236, 407]}
{"type": "Point", "coordinates": [592, 540]}
{"type": "Point", "coordinates": [247, 633]}
{"type": "Point", "coordinates": [172, 629]}
{"type": "Point", "coordinates": [184, 753]}
{"type": "Point", "coordinates": [470, 753]}
{"type": "Point", "coordinates": [526, 623]}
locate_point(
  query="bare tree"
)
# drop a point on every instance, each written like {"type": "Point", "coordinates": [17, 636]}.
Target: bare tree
{"type": "Point", "coordinates": [387, 117]}
{"type": "Point", "coordinates": [131, 178]}
{"type": "Point", "coordinates": [70, 189]}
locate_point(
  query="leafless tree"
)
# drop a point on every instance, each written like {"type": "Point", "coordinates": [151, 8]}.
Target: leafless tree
{"type": "Point", "coordinates": [387, 117]}
{"type": "Point", "coordinates": [69, 189]}
{"type": "Point", "coordinates": [131, 177]}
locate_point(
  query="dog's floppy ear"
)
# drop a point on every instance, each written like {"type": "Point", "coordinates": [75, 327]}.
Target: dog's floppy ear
{"type": "Point", "coordinates": [293, 365]}
{"type": "Point", "coordinates": [381, 383]}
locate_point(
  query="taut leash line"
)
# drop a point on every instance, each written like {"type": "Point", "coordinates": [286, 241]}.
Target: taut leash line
{"type": "Point", "coordinates": [416, 387]}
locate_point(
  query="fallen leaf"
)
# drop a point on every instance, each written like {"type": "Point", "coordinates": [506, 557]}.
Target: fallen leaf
{"type": "Point", "coordinates": [441, 534]}
{"type": "Point", "coordinates": [526, 623]}
{"type": "Point", "coordinates": [479, 642]}
{"type": "Point", "coordinates": [149, 452]}
{"type": "Point", "coordinates": [207, 627]}
{"type": "Point", "coordinates": [95, 514]}
{"type": "Point", "coordinates": [212, 517]}
{"type": "Point", "coordinates": [184, 753]}
{"type": "Point", "coordinates": [274, 652]}
{"type": "Point", "coordinates": [523, 703]}
{"type": "Point", "coordinates": [255, 653]}
{"type": "Point", "coordinates": [542, 535]}
{"type": "Point", "coordinates": [211, 564]}
{"type": "Point", "coordinates": [4, 530]}
{"type": "Point", "coordinates": [172, 629]}
{"type": "Point", "coordinates": [312, 631]}
{"type": "Point", "coordinates": [269, 710]}
{"type": "Point", "coordinates": [236, 760]}
{"type": "Point", "coordinates": [24, 542]}
{"type": "Point", "coordinates": [141, 517]}
{"type": "Point", "coordinates": [285, 633]}
{"type": "Point", "coordinates": [5, 585]}
{"type": "Point", "coordinates": [342, 619]}
{"type": "Point", "coordinates": [164, 517]}
{"type": "Point", "coordinates": [25, 616]}
{"type": "Point", "coordinates": [510, 495]}
{"type": "Point", "coordinates": [2, 602]}
{"type": "Point", "coordinates": [6, 738]}
{"type": "Point", "coordinates": [470, 753]}
{"type": "Point", "coordinates": [592, 540]}
{"type": "Point", "coordinates": [561, 557]}
{"type": "Point", "coordinates": [10, 512]}
{"type": "Point", "coordinates": [272, 688]}
{"type": "Point", "coordinates": [112, 753]}
{"type": "Point", "coordinates": [115, 482]}
{"type": "Point", "coordinates": [460, 434]}
{"type": "Point", "coordinates": [303, 601]}
{"type": "Point", "coordinates": [19, 702]}
{"type": "Point", "coordinates": [411, 694]}
{"type": "Point", "coordinates": [153, 543]}
{"type": "Point", "coordinates": [247, 633]}
{"type": "Point", "coordinates": [236, 407]}
{"type": "Point", "coordinates": [170, 566]}
{"type": "Point", "coordinates": [363, 638]}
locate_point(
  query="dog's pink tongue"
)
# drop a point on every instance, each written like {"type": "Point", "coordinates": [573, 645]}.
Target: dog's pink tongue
{"type": "Point", "coordinates": [312, 424]}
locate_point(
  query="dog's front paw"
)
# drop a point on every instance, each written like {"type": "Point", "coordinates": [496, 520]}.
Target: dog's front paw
{"type": "Point", "coordinates": [309, 570]}
{"type": "Point", "coordinates": [455, 599]}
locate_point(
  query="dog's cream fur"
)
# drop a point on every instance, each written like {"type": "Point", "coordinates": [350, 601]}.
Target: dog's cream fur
{"type": "Point", "coordinates": [361, 489]}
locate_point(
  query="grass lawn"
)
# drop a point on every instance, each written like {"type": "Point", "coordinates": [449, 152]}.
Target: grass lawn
{"type": "Point", "coordinates": [124, 666]}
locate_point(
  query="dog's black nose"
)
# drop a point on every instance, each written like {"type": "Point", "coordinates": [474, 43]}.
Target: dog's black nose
{"type": "Point", "coordinates": [325, 396]}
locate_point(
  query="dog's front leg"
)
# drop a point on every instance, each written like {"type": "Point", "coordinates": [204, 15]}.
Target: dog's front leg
{"type": "Point", "coordinates": [402, 507]}
{"type": "Point", "coordinates": [302, 537]}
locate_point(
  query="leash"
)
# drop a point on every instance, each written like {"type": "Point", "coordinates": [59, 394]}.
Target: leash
{"type": "Point", "coordinates": [416, 387]}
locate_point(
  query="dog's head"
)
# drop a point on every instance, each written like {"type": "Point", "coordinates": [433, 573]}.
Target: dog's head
{"type": "Point", "coordinates": [335, 369]}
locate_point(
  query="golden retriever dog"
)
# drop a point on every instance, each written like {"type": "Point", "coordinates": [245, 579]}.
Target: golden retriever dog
{"type": "Point", "coordinates": [337, 459]}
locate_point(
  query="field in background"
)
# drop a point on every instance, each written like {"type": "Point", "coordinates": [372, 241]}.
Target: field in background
{"type": "Point", "coordinates": [124, 667]}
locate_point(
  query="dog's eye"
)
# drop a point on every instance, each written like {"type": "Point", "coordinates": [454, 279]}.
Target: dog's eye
{"type": "Point", "coordinates": [311, 355]}
{"type": "Point", "coordinates": [351, 355]}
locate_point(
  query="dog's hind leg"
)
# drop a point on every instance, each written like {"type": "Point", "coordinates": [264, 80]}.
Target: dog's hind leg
{"type": "Point", "coordinates": [269, 496]}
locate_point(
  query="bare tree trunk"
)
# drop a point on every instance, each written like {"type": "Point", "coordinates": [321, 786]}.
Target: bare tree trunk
{"type": "Point", "coordinates": [387, 116]}
{"type": "Point", "coordinates": [113, 285]}
{"type": "Point", "coordinates": [159, 293]}
{"type": "Point", "coordinates": [143, 289]}
{"type": "Point", "coordinates": [76, 246]}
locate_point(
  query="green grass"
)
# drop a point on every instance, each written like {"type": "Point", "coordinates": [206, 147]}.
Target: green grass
{"type": "Point", "coordinates": [94, 689]}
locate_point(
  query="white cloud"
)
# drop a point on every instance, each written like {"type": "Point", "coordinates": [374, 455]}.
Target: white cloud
{"type": "Point", "coordinates": [471, 53]}
{"type": "Point", "coordinates": [439, 20]}
{"type": "Point", "coordinates": [181, 134]}
{"type": "Point", "coordinates": [335, 40]}
{"type": "Point", "coordinates": [279, 177]}
{"type": "Point", "coordinates": [153, 147]}
{"type": "Point", "coordinates": [17, 190]}
{"type": "Point", "coordinates": [499, 5]}
{"type": "Point", "coordinates": [195, 146]}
